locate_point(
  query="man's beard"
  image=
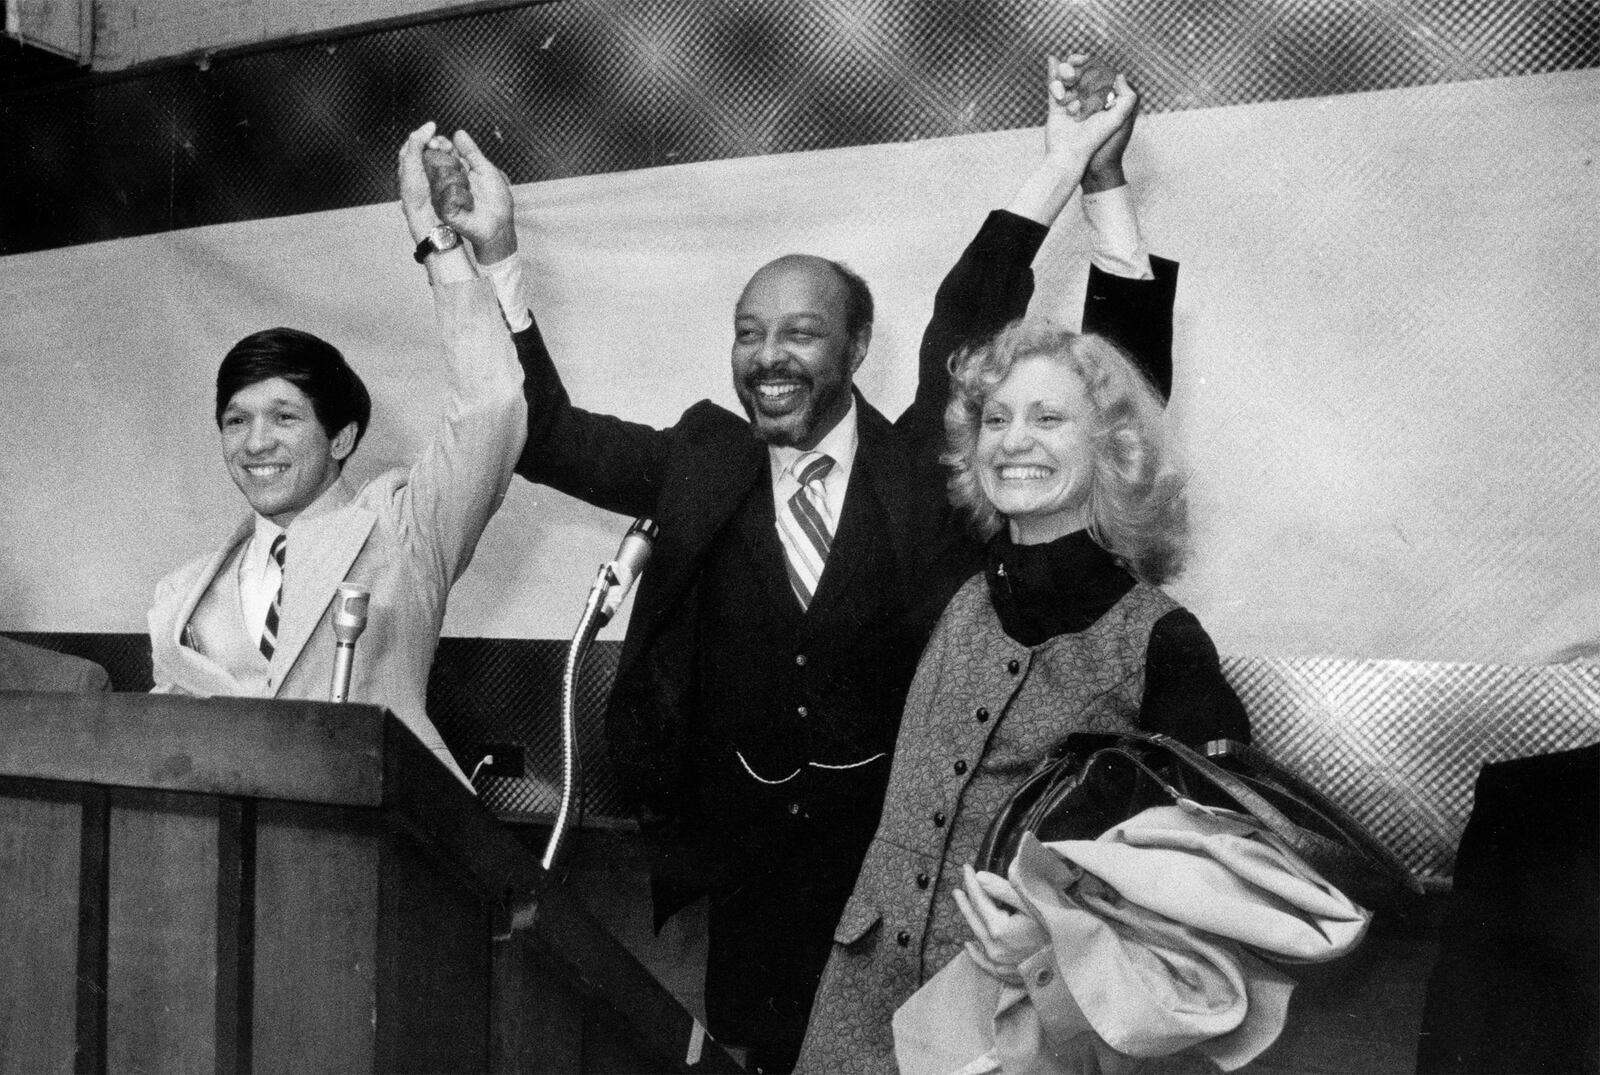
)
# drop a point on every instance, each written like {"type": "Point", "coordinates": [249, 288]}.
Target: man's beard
{"type": "Point", "coordinates": [797, 427]}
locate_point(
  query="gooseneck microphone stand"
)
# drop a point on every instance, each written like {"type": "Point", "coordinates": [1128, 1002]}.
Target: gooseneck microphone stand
{"type": "Point", "coordinates": [611, 585]}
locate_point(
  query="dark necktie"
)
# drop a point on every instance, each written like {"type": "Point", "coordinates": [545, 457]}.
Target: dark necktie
{"type": "Point", "coordinates": [269, 633]}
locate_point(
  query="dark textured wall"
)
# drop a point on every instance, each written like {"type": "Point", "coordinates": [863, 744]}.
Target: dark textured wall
{"type": "Point", "coordinates": [579, 87]}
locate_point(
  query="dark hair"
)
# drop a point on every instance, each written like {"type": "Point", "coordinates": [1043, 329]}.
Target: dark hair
{"type": "Point", "coordinates": [312, 365]}
{"type": "Point", "coordinates": [858, 308]}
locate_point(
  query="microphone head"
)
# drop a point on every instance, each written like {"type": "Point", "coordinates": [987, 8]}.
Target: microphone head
{"type": "Point", "coordinates": [350, 611]}
{"type": "Point", "coordinates": [633, 554]}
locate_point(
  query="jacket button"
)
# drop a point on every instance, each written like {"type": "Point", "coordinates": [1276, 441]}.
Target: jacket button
{"type": "Point", "coordinates": [938, 819]}
{"type": "Point", "coordinates": [1044, 977]}
{"type": "Point", "coordinates": [801, 710]}
{"type": "Point", "coordinates": [960, 767]}
{"type": "Point", "coordinates": [800, 659]}
{"type": "Point", "coordinates": [903, 939]}
{"type": "Point", "coordinates": [1013, 666]}
{"type": "Point", "coordinates": [794, 808]}
{"type": "Point", "coordinates": [981, 715]}
{"type": "Point", "coordinates": [922, 880]}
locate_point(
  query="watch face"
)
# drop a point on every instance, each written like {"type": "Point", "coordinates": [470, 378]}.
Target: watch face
{"type": "Point", "coordinates": [444, 237]}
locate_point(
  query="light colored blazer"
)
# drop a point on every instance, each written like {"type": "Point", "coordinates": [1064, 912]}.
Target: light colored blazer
{"type": "Point", "coordinates": [407, 535]}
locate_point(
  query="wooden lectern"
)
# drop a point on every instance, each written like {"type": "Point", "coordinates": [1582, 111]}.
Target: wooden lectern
{"type": "Point", "coordinates": [239, 885]}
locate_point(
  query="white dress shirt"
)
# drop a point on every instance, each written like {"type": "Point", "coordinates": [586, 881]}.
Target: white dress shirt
{"type": "Point", "coordinates": [840, 444]}
{"type": "Point", "coordinates": [259, 577]}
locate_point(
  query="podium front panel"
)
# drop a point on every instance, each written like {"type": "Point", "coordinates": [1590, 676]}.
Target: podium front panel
{"type": "Point", "coordinates": [40, 836]}
{"type": "Point", "coordinates": [161, 933]}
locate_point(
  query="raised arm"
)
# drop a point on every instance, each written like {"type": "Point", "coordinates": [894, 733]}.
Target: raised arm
{"type": "Point", "coordinates": [448, 495]}
{"type": "Point", "coordinates": [992, 282]}
{"type": "Point", "coordinates": [600, 459]}
{"type": "Point", "coordinates": [1082, 118]}
{"type": "Point", "coordinates": [1130, 293]}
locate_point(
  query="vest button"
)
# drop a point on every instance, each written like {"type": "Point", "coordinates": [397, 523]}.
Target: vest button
{"type": "Point", "coordinates": [938, 819]}
{"type": "Point", "coordinates": [960, 767]}
{"type": "Point", "coordinates": [903, 939]}
{"type": "Point", "coordinates": [802, 711]}
{"type": "Point", "coordinates": [981, 715]}
{"type": "Point", "coordinates": [922, 880]}
{"type": "Point", "coordinates": [800, 660]}
{"type": "Point", "coordinates": [1044, 977]}
{"type": "Point", "coordinates": [1013, 666]}
{"type": "Point", "coordinates": [794, 808]}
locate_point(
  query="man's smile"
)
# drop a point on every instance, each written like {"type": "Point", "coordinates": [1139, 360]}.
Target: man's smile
{"type": "Point", "coordinates": [779, 396]}
{"type": "Point", "coordinates": [265, 470]}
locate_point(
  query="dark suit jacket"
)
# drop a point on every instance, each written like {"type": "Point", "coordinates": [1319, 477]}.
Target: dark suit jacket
{"type": "Point", "coordinates": [693, 477]}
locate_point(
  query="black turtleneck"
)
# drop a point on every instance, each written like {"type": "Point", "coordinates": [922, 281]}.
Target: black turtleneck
{"type": "Point", "coordinates": [1064, 586]}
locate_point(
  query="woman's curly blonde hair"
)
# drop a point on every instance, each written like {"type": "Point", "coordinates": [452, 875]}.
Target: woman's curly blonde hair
{"type": "Point", "coordinates": [1134, 500]}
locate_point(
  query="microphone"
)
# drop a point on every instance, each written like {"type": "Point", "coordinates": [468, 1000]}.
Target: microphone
{"type": "Point", "coordinates": [620, 574]}
{"type": "Point", "coordinates": [349, 620]}
{"type": "Point", "coordinates": [611, 585]}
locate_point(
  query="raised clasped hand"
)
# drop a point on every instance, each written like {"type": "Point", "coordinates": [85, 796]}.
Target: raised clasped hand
{"type": "Point", "coordinates": [488, 223]}
{"type": "Point", "coordinates": [1091, 111]}
{"type": "Point", "coordinates": [486, 219]}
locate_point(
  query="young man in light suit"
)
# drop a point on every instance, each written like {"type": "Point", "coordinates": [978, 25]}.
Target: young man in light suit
{"type": "Point", "coordinates": [254, 618]}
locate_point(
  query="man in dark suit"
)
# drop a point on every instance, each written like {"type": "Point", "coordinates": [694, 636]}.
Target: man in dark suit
{"type": "Point", "coordinates": [806, 551]}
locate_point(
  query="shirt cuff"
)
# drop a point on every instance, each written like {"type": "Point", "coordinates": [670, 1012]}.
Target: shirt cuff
{"type": "Point", "coordinates": [1118, 247]}
{"type": "Point", "coordinates": [1059, 1014]}
{"type": "Point", "coordinates": [505, 276]}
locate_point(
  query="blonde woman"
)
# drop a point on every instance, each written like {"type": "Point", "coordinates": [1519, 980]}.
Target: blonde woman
{"type": "Point", "coordinates": [1057, 453]}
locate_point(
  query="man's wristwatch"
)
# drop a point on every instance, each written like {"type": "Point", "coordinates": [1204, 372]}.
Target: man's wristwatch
{"type": "Point", "coordinates": [437, 241]}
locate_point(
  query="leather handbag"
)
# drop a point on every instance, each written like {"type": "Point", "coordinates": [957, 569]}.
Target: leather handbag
{"type": "Point", "coordinates": [1095, 781]}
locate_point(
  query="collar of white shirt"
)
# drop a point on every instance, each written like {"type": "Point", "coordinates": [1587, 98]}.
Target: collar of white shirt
{"type": "Point", "coordinates": [840, 443]}
{"type": "Point", "coordinates": [255, 565]}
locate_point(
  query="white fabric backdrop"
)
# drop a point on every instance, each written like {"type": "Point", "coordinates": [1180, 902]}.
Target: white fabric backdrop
{"type": "Point", "coordinates": [1386, 383]}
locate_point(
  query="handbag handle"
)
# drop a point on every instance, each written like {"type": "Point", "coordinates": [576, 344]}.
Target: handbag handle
{"type": "Point", "coordinates": [1331, 812]}
{"type": "Point", "coordinates": [1269, 815]}
{"type": "Point", "coordinates": [1274, 819]}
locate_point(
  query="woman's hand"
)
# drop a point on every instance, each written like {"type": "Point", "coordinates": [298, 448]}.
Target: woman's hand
{"type": "Point", "coordinates": [1088, 105]}
{"type": "Point", "coordinates": [1089, 117]}
{"type": "Point", "coordinates": [1004, 936]}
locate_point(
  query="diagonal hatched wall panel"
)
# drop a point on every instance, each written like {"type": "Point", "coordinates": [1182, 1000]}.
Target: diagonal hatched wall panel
{"type": "Point", "coordinates": [581, 87]}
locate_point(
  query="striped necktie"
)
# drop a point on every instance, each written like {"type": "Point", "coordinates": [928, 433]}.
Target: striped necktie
{"type": "Point", "coordinates": [806, 528]}
{"type": "Point", "coordinates": [269, 634]}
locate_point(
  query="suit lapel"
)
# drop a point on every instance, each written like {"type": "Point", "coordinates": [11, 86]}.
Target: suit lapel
{"type": "Point", "coordinates": [191, 600]}
{"type": "Point", "coordinates": [759, 532]}
{"type": "Point", "coordinates": [844, 565]}
{"type": "Point", "coordinates": [320, 551]}
{"type": "Point", "coordinates": [875, 474]}
{"type": "Point", "coordinates": [204, 675]}
{"type": "Point", "coordinates": [714, 480]}
{"type": "Point", "coordinates": [892, 475]}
